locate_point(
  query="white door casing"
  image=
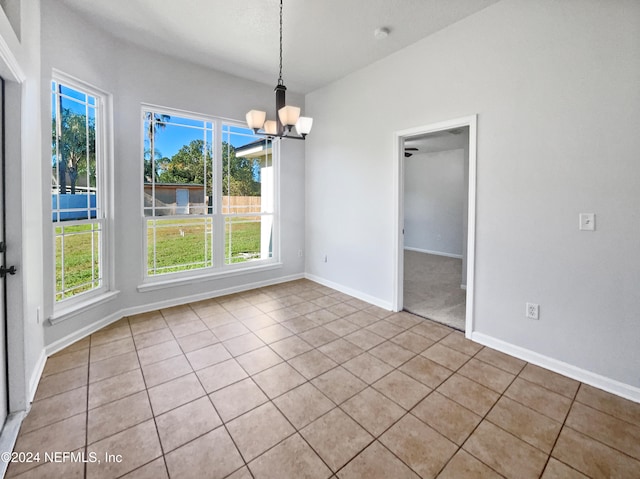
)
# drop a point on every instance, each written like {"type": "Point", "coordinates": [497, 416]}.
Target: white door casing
{"type": "Point", "coordinates": [398, 138]}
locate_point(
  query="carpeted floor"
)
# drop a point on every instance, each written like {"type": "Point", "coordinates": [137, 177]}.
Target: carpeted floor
{"type": "Point", "coordinates": [432, 288]}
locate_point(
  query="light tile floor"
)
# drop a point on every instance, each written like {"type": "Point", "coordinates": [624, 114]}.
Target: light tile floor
{"type": "Point", "coordinates": [300, 381]}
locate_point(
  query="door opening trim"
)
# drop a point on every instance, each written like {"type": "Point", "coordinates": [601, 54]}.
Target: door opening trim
{"type": "Point", "coordinates": [398, 243]}
{"type": "Point", "coordinates": [3, 150]}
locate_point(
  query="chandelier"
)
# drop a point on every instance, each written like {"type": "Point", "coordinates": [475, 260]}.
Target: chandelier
{"type": "Point", "coordinates": [287, 116]}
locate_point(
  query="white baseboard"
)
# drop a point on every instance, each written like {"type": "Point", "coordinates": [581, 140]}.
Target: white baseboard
{"type": "Point", "coordinates": [81, 333]}
{"type": "Point", "coordinates": [437, 253]}
{"type": "Point", "coordinates": [208, 295]}
{"type": "Point", "coordinates": [592, 379]}
{"type": "Point", "coordinates": [351, 292]}
{"type": "Point", "coordinates": [68, 340]}
{"type": "Point", "coordinates": [35, 376]}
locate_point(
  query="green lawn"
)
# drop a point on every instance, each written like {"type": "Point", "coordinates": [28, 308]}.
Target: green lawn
{"type": "Point", "coordinates": [80, 259]}
{"type": "Point", "coordinates": [178, 248]}
{"type": "Point", "coordinates": [188, 245]}
{"type": "Point", "coordinates": [242, 240]}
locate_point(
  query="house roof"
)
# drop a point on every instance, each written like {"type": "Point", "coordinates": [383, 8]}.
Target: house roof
{"type": "Point", "coordinates": [256, 149]}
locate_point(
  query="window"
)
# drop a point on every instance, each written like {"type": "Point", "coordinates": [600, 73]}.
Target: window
{"type": "Point", "coordinates": [247, 195]}
{"type": "Point", "coordinates": [77, 192]}
{"type": "Point", "coordinates": [208, 193]}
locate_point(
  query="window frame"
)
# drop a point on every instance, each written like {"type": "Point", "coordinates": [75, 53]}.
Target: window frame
{"type": "Point", "coordinates": [218, 267]}
{"type": "Point", "coordinates": [104, 202]}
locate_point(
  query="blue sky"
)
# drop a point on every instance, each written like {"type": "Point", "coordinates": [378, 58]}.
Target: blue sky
{"type": "Point", "coordinates": [76, 103]}
{"type": "Point", "coordinates": [177, 132]}
{"type": "Point", "coordinates": [180, 131]}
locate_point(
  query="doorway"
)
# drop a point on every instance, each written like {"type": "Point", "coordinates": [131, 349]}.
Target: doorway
{"type": "Point", "coordinates": [436, 221]}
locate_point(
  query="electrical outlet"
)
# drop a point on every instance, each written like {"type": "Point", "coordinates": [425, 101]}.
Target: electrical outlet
{"type": "Point", "coordinates": [533, 311]}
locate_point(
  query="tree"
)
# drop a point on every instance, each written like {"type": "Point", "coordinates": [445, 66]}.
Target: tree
{"type": "Point", "coordinates": [151, 165]}
{"type": "Point", "coordinates": [75, 151]}
{"type": "Point", "coordinates": [188, 166]}
{"type": "Point", "coordinates": [155, 123]}
{"type": "Point", "coordinates": [239, 176]}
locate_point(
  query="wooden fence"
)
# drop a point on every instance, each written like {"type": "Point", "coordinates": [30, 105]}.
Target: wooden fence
{"type": "Point", "coordinates": [241, 204]}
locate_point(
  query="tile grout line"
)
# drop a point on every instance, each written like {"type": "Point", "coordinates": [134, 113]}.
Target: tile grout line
{"type": "Point", "coordinates": [574, 401]}
{"type": "Point", "coordinates": [118, 432]}
{"type": "Point", "coordinates": [223, 423]}
{"type": "Point", "coordinates": [86, 427]}
{"type": "Point", "coordinates": [484, 418]}
{"type": "Point", "coordinates": [458, 447]}
{"type": "Point", "coordinates": [564, 422]}
{"type": "Point", "coordinates": [153, 414]}
{"type": "Point", "coordinates": [601, 411]}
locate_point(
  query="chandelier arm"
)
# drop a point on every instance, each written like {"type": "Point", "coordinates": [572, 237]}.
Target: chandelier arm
{"type": "Point", "coordinates": [272, 136]}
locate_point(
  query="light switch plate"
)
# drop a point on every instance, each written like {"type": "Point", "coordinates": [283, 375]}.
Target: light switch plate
{"type": "Point", "coordinates": [587, 221]}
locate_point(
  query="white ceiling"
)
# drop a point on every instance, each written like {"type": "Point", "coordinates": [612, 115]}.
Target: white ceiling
{"type": "Point", "coordinates": [324, 40]}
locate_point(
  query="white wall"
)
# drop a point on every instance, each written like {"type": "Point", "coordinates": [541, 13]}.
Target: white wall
{"type": "Point", "coordinates": [434, 193]}
{"type": "Point", "coordinates": [555, 85]}
{"type": "Point", "coordinates": [135, 76]}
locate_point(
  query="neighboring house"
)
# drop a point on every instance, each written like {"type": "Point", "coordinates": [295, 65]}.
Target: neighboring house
{"type": "Point", "coordinates": [176, 198]}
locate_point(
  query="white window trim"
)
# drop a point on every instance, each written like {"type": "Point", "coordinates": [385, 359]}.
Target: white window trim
{"type": "Point", "coordinates": [69, 307]}
{"type": "Point", "coordinates": [164, 282]}
{"type": "Point", "coordinates": [218, 269]}
{"type": "Point", "coordinates": [63, 314]}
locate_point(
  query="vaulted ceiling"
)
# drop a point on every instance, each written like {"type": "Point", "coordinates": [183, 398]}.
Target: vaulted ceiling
{"type": "Point", "coordinates": [324, 40]}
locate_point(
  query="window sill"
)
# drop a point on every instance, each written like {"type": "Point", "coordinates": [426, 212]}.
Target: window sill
{"type": "Point", "coordinates": [154, 284]}
{"type": "Point", "coordinates": [70, 311]}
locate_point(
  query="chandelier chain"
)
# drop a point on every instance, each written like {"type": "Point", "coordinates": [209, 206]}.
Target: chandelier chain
{"type": "Point", "coordinates": [280, 73]}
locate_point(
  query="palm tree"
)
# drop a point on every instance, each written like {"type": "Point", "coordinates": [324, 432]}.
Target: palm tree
{"type": "Point", "coordinates": [74, 150]}
{"type": "Point", "coordinates": [151, 164]}
{"type": "Point", "coordinates": [157, 122]}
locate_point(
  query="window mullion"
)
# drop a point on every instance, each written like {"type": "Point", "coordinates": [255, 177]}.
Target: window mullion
{"type": "Point", "coordinates": [218, 220]}
{"type": "Point", "coordinates": [62, 261]}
